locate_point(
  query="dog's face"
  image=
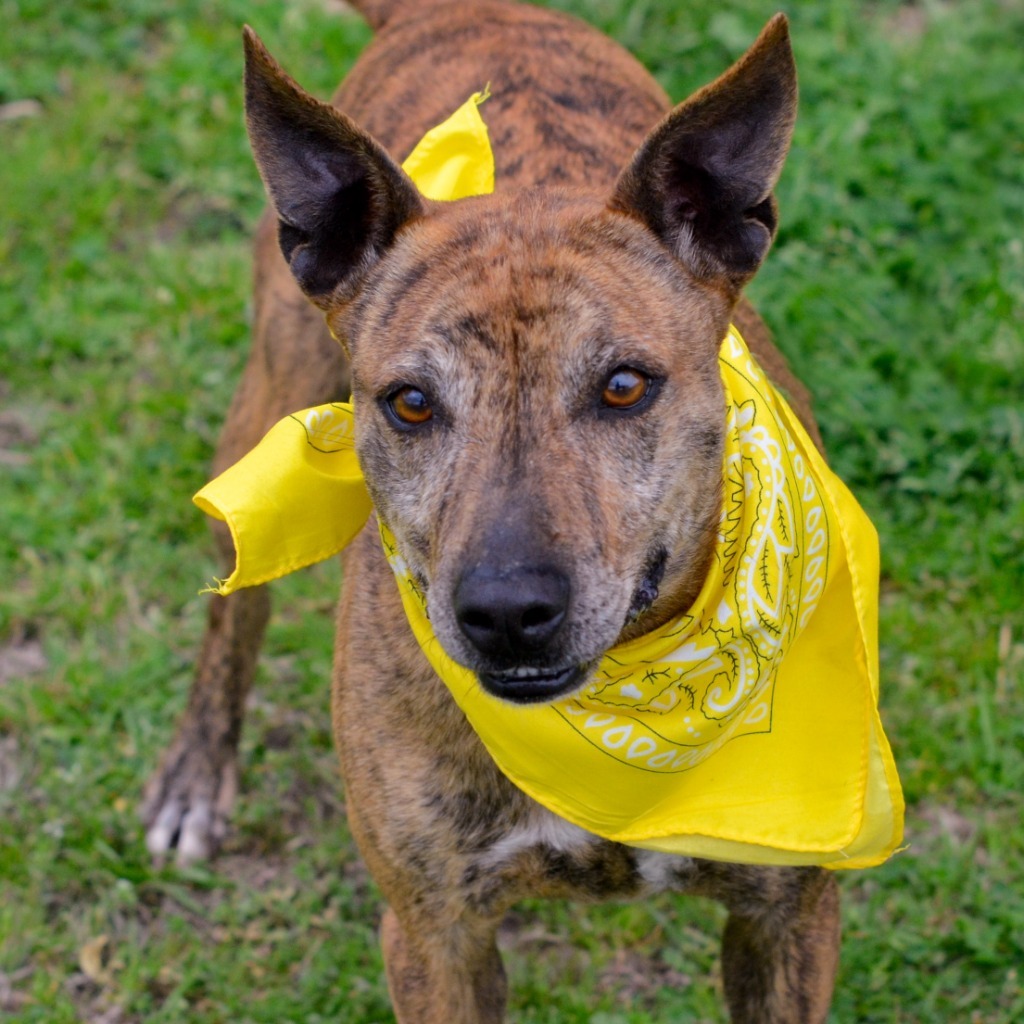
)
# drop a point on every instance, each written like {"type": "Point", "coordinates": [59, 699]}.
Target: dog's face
{"type": "Point", "coordinates": [540, 421]}
{"type": "Point", "coordinates": [539, 406]}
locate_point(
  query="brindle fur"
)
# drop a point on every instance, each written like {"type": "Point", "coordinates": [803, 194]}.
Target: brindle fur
{"type": "Point", "coordinates": [511, 311]}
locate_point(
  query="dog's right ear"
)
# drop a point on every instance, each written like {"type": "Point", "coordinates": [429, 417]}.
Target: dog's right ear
{"type": "Point", "coordinates": [702, 180]}
{"type": "Point", "coordinates": [339, 197]}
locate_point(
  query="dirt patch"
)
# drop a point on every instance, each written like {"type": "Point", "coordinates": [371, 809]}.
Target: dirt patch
{"type": "Point", "coordinates": [10, 775]}
{"type": "Point", "coordinates": [19, 109]}
{"type": "Point", "coordinates": [22, 656]}
{"type": "Point", "coordinates": [634, 977]}
{"type": "Point", "coordinates": [936, 821]}
{"type": "Point", "coordinates": [200, 218]}
{"type": "Point", "coordinates": [93, 1001]}
{"type": "Point", "coordinates": [910, 22]}
{"type": "Point", "coordinates": [637, 979]}
{"type": "Point", "coordinates": [15, 435]}
{"type": "Point", "coordinates": [11, 999]}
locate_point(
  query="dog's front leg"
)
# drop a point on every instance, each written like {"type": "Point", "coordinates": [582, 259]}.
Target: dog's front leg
{"type": "Point", "coordinates": [189, 798]}
{"type": "Point", "coordinates": [780, 951]}
{"type": "Point", "coordinates": [294, 363]}
{"type": "Point", "coordinates": [450, 975]}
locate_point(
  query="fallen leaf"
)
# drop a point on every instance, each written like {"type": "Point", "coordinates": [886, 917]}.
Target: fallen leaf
{"type": "Point", "coordinates": [90, 959]}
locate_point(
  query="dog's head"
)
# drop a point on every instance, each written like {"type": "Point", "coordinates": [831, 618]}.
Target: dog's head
{"type": "Point", "coordinates": [535, 374]}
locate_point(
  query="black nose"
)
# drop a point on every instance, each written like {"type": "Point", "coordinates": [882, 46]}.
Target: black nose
{"type": "Point", "coordinates": [509, 613]}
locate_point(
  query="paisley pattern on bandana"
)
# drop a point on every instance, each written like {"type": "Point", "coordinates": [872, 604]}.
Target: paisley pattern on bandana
{"type": "Point", "coordinates": [329, 428]}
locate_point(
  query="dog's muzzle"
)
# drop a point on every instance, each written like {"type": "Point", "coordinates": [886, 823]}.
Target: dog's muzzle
{"type": "Point", "coordinates": [514, 617]}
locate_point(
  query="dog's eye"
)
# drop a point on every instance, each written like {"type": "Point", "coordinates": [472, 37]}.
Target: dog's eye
{"type": "Point", "coordinates": [410, 406]}
{"type": "Point", "coordinates": [626, 388]}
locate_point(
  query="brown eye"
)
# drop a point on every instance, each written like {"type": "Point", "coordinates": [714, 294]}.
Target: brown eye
{"type": "Point", "coordinates": [410, 406]}
{"type": "Point", "coordinates": [625, 388]}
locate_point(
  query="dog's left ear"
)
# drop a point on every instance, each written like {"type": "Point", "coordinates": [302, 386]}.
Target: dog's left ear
{"type": "Point", "coordinates": [340, 198]}
{"type": "Point", "coordinates": [702, 180]}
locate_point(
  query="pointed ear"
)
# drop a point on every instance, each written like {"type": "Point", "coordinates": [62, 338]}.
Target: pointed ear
{"type": "Point", "coordinates": [702, 180]}
{"type": "Point", "coordinates": [339, 197]}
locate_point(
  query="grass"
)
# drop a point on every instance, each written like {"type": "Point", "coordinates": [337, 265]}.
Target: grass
{"type": "Point", "coordinates": [896, 287]}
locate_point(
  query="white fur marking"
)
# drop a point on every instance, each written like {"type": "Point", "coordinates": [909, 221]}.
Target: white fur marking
{"type": "Point", "coordinates": [542, 828]}
{"type": "Point", "coordinates": [662, 871]}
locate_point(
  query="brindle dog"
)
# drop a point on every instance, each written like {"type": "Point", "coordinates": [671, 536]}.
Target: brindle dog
{"type": "Point", "coordinates": [541, 426]}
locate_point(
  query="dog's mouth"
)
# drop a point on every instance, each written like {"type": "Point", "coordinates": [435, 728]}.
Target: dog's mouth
{"type": "Point", "coordinates": [533, 685]}
{"type": "Point", "coordinates": [646, 592]}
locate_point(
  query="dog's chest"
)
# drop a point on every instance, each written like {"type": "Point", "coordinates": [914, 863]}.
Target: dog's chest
{"type": "Point", "coordinates": [564, 856]}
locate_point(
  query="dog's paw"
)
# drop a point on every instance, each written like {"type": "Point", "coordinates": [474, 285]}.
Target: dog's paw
{"type": "Point", "coordinates": [187, 803]}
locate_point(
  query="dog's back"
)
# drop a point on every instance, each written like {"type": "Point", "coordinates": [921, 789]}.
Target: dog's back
{"type": "Point", "coordinates": [569, 105]}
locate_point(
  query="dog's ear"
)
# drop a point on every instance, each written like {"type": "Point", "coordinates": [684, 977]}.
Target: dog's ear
{"type": "Point", "coordinates": [339, 197]}
{"type": "Point", "coordinates": [702, 180]}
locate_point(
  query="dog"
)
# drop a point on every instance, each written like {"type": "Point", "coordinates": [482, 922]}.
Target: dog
{"type": "Point", "coordinates": [540, 426]}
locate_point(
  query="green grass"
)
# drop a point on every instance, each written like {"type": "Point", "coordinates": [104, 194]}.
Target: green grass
{"type": "Point", "coordinates": [126, 199]}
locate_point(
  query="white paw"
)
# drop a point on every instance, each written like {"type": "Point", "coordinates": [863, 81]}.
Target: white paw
{"type": "Point", "coordinates": [188, 824]}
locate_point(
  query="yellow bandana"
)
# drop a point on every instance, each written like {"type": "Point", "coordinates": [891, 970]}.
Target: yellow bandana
{"type": "Point", "coordinates": [745, 730]}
